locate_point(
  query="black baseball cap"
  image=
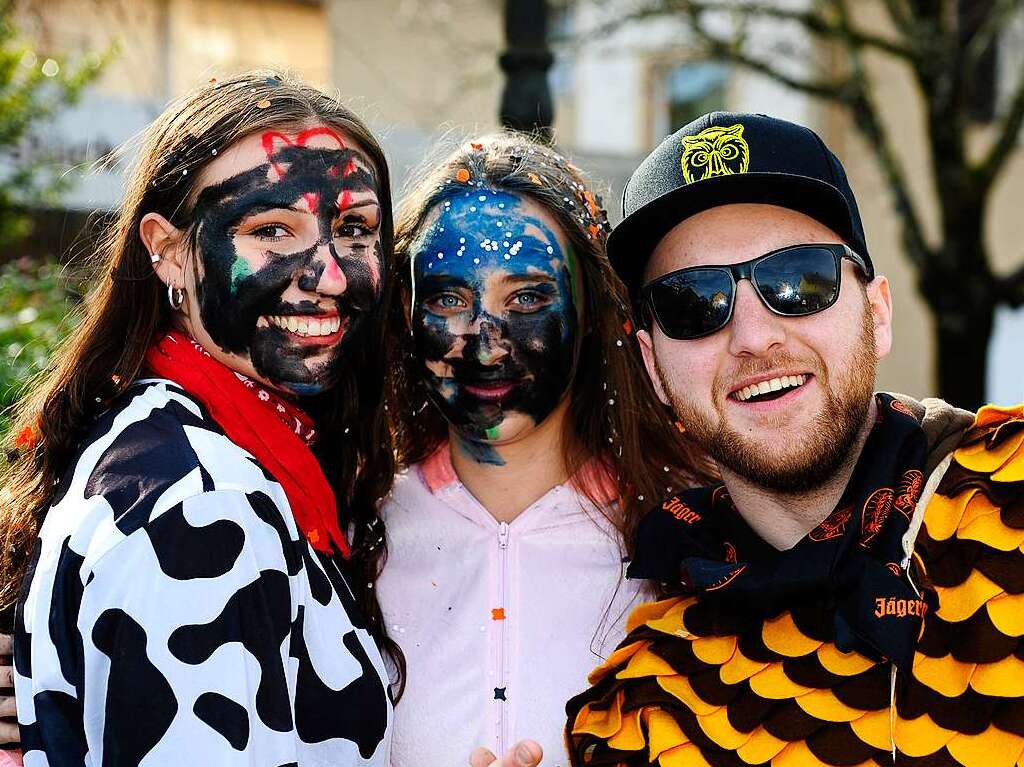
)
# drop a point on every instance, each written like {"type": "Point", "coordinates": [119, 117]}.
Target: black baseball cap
{"type": "Point", "coordinates": [728, 157]}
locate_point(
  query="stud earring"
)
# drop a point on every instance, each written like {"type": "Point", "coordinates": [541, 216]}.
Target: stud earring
{"type": "Point", "coordinates": [154, 257]}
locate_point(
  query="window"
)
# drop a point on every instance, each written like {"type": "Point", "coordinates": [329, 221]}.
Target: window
{"type": "Point", "coordinates": [687, 91]}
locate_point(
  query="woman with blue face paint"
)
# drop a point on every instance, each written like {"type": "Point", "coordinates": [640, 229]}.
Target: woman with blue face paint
{"type": "Point", "coordinates": [530, 438]}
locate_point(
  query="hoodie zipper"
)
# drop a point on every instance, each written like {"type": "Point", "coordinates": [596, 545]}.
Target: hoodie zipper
{"type": "Point", "coordinates": [503, 535]}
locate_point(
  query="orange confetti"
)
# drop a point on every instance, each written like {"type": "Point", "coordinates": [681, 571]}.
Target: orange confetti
{"type": "Point", "coordinates": [313, 536]}
{"type": "Point", "coordinates": [498, 614]}
{"type": "Point", "coordinates": [535, 179]}
{"type": "Point", "coordinates": [679, 425]}
{"type": "Point", "coordinates": [628, 327]}
{"type": "Point", "coordinates": [213, 80]}
{"type": "Point", "coordinates": [477, 147]}
{"type": "Point", "coordinates": [462, 175]}
{"type": "Point", "coordinates": [27, 438]}
{"type": "Point", "coordinates": [591, 202]}
{"type": "Point", "coordinates": [263, 103]}
{"type": "Point", "coordinates": [116, 379]}
{"type": "Point", "coordinates": [595, 230]}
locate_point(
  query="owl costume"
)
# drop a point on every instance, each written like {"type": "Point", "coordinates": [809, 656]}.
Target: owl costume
{"type": "Point", "coordinates": [794, 677]}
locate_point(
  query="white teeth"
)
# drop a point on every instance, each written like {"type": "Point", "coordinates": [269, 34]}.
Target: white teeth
{"type": "Point", "coordinates": [302, 326]}
{"type": "Point", "coordinates": [773, 384]}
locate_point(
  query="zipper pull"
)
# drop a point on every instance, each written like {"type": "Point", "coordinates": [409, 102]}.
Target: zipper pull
{"type": "Point", "coordinates": [503, 535]}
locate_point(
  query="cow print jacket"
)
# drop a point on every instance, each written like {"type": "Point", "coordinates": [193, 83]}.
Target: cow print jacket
{"type": "Point", "coordinates": [173, 614]}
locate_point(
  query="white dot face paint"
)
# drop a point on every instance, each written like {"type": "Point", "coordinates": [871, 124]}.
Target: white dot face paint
{"type": "Point", "coordinates": [495, 334]}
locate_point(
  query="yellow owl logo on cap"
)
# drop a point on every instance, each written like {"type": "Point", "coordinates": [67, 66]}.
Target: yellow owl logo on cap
{"type": "Point", "coordinates": [715, 151]}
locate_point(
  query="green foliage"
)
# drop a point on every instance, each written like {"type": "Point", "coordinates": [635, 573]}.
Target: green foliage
{"type": "Point", "coordinates": [32, 90]}
{"type": "Point", "coordinates": [35, 314]}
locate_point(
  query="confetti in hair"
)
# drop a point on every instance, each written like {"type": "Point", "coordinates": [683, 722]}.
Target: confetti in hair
{"type": "Point", "coordinates": [27, 438]}
{"type": "Point", "coordinates": [462, 175]}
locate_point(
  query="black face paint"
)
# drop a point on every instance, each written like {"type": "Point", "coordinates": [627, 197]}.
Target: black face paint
{"type": "Point", "coordinates": [241, 286]}
{"type": "Point", "coordinates": [494, 316]}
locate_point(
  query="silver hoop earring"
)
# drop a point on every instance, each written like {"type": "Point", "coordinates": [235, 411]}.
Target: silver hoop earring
{"type": "Point", "coordinates": [175, 296]}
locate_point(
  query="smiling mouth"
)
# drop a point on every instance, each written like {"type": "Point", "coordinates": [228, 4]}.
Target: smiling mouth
{"type": "Point", "coordinates": [491, 390]}
{"type": "Point", "coordinates": [772, 388]}
{"type": "Point", "coordinates": [324, 328]}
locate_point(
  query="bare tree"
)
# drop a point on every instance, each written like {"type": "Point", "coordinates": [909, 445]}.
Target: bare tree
{"type": "Point", "coordinates": [945, 45]}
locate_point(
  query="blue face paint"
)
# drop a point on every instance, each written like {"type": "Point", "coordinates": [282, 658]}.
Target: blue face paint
{"type": "Point", "coordinates": [493, 315]}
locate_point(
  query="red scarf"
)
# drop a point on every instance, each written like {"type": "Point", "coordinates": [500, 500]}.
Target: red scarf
{"type": "Point", "coordinates": [274, 431]}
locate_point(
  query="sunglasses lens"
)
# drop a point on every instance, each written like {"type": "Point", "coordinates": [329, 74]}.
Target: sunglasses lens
{"type": "Point", "coordinates": [692, 303]}
{"type": "Point", "coordinates": [798, 281]}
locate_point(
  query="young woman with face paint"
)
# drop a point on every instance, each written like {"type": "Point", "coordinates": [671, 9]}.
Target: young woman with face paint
{"type": "Point", "coordinates": [191, 597]}
{"type": "Point", "coordinates": [531, 439]}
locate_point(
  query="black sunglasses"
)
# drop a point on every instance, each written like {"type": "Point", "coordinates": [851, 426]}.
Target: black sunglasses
{"type": "Point", "coordinates": [792, 282]}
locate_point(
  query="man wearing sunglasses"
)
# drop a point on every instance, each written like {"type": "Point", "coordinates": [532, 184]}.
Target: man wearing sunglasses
{"type": "Point", "coordinates": [853, 591]}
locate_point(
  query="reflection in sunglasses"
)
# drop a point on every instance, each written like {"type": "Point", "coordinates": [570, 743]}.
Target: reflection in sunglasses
{"type": "Point", "coordinates": [794, 281]}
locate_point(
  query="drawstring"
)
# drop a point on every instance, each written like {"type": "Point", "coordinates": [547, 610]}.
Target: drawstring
{"type": "Point", "coordinates": [909, 539]}
{"type": "Point", "coordinates": [892, 711]}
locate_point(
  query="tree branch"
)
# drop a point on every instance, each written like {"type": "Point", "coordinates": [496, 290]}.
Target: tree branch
{"type": "Point", "coordinates": [899, 15]}
{"type": "Point", "coordinates": [815, 23]}
{"type": "Point", "coordinates": [731, 50]}
{"type": "Point", "coordinates": [866, 117]}
{"type": "Point", "coordinates": [1010, 289]}
{"type": "Point", "coordinates": [1000, 151]}
{"type": "Point", "coordinates": [994, 22]}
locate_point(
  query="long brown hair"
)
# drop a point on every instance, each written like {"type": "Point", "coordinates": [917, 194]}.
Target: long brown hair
{"type": "Point", "coordinates": [128, 306]}
{"type": "Point", "coordinates": [615, 417]}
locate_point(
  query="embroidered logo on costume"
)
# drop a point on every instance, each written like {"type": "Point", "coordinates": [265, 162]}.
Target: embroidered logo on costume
{"type": "Point", "coordinates": [730, 553]}
{"type": "Point", "coordinates": [715, 151]}
{"type": "Point", "coordinates": [876, 511]}
{"type": "Point", "coordinates": [725, 580]}
{"type": "Point", "coordinates": [680, 510]}
{"type": "Point", "coordinates": [900, 608]}
{"type": "Point", "coordinates": [899, 407]}
{"type": "Point", "coordinates": [908, 492]}
{"type": "Point", "coordinates": [833, 527]}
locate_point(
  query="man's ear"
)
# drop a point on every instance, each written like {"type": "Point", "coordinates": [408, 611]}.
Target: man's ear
{"type": "Point", "coordinates": [880, 300]}
{"type": "Point", "coordinates": [164, 239]}
{"type": "Point", "coordinates": [647, 352]}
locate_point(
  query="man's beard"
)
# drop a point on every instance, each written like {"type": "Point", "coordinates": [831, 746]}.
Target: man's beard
{"type": "Point", "coordinates": [825, 447]}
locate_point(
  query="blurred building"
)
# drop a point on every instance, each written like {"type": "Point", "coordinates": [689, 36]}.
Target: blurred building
{"type": "Point", "coordinates": [420, 70]}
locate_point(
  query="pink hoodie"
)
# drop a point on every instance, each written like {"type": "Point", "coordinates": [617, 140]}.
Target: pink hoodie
{"type": "Point", "coordinates": [500, 623]}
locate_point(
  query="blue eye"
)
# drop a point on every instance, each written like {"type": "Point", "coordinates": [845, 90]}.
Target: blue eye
{"type": "Point", "coordinates": [445, 303]}
{"type": "Point", "coordinates": [529, 301]}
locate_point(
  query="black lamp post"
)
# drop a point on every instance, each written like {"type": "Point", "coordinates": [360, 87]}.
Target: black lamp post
{"type": "Point", "coordinates": [526, 103]}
